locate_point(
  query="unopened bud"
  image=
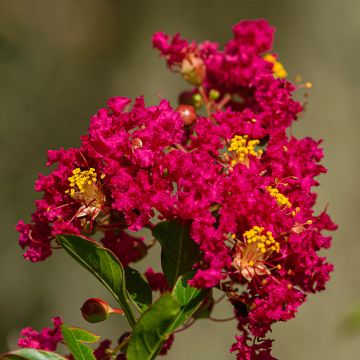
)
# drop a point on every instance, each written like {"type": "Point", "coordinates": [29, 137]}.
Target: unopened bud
{"type": "Point", "coordinates": [187, 114]}
{"type": "Point", "coordinates": [136, 143]}
{"type": "Point", "coordinates": [214, 94]}
{"type": "Point", "coordinates": [97, 310]}
{"type": "Point", "coordinates": [193, 69]}
{"type": "Point", "coordinates": [197, 100]}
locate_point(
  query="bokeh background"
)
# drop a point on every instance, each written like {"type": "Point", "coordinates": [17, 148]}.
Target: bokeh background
{"type": "Point", "coordinates": [61, 60]}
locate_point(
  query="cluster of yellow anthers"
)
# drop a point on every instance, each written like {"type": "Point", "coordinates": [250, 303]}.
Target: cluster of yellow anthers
{"type": "Point", "coordinates": [278, 68]}
{"type": "Point", "coordinates": [242, 148]}
{"type": "Point", "coordinates": [81, 180]}
{"type": "Point", "coordinates": [250, 255]}
{"type": "Point", "coordinates": [281, 199]}
{"type": "Point", "coordinates": [264, 241]}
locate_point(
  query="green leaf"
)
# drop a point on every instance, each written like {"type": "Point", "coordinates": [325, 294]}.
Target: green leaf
{"type": "Point", "coordinates": [75, 338]}
{"type": "Point", "coordinates": [179, 251]}
{"type": "Point", "coordinates": [138, 288]}
{"type": "Point", "coordinates": [104, 265]}
{"type": "Point", "coordinates": [31, 354]}
{"type": "Point", "coordinates": [152, 329]}
{"type": "Point", "coordinates": [189, 298]}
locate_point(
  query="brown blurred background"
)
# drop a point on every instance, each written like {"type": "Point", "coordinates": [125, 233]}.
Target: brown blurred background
{"type": "Point", "coordinates": [61, 60]}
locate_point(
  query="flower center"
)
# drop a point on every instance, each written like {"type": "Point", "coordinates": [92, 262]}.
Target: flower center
{"type": "Point", "coordinates": [81, 181]}
{"type": "Point", "coordinates": [252, 253]}
{"type": "Point", "coordinates": [264, 241]}
{"type": "Point", "coordinates": [241, 148]}
{"type": "Point", "coordinates": [83, 187]}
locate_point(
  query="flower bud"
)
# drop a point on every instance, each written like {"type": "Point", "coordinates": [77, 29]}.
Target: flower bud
{"type": "Point", "coordinates": [136, 143]}
{"type": "Point", "coordinates": [187, 113]}
{"type": "Point", "coordinates": [193, 69]}
{"type": "Point", "coordinates": [197, 101]}
{"type": "Point", "coordinates": [97, 310]}
{"type": "Point", "coordinates": [214, 94]}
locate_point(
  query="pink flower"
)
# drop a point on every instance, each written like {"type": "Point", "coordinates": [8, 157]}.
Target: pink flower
{"type": "Point", "coordinates": [126, 247]}
{"type": "Point", "coordinates": [47, 339]}
{"type": "Point", "coordinates": [232, 174]}
{"type": "Point", "coordinates": [167, 345]}
{"type": "Point", "coordinates": [256, 351]}
{"type": "Point", "coordinates": [278, 301]}
{"type": "Point", "coordinates": [100, 352]}
{"type": "Point", "coordinates": [254, 33]}
{"type": "Point", "coordinates": [174, 49]}
{"type": "Point", "coordinates": [157, 280]}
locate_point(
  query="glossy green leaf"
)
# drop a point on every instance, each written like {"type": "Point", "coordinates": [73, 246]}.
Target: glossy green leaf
{"type": "Point", "coordinates": [179, 251]}
{"type": "Point", "coordinates": [138, 288]}
{"type": "Point", "coordinates": [76, 338]}
{"type": "Point", "coordinates": [103, 264]}
{"type": "Point", "coordinates": [189, 298]}
{"type": "Point", "coordinates": [31, 354]}
{"type": "Point", "coordinates": [152, 329]}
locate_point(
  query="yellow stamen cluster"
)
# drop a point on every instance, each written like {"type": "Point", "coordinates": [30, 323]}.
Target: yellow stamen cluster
{"type": "Point", "coordinates": [281, 199]}
{"type": "Point", "coordinates": [264, 241]}
{"type": "Point", "coordinates": [242, 148]}
{"type": "Point", "coordinates": [80, 180]}
{"type": "Point", "coordinates": [278, 68]}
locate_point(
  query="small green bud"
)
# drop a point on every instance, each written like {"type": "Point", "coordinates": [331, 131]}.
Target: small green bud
{"type": "Point", "coordinates": [197, 101]}
{"type": "Point", "coordinates": [197, 98]}
{"type": "Point", "coordinates": [214, 94]}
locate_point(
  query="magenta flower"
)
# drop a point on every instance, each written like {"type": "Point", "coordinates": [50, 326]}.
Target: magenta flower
{"type": "Point", "coordinates": [229, 174]}
{"type": "Point", "coordinates": [156, 280]}
{"type": "Point", "coordinates": [46, 339]}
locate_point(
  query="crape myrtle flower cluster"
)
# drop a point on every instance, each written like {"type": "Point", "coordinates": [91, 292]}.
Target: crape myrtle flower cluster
{"type": "Point", "coordinates": [47, 339]}
{"type": "Point", "coordinates": [222, 162]}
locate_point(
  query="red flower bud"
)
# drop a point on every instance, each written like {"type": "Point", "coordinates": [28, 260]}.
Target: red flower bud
{"type": "Point", "coordinates": [193, 69]}
{"type": "Point", "coordinates": [187, 113]}
{"type": "Point", "coordinates": [97, 310]}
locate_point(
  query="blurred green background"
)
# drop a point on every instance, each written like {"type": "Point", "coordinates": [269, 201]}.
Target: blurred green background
{"type": "Point", "coordinates": [61, 60]}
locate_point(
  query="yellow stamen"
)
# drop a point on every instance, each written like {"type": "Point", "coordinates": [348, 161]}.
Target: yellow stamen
{"type": "Point", "coordinates": [241, 148]}
{"type": "Point", "coordinates": [81, 180]}
{"type": "Point", "coordinates": [252, 253]}
{"type": "Point", "coordinates": [278, 68]}
{"type": "Point", "coordinates": [264, 242]}
{"type": "Point", "coordinates": [281, 199]}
